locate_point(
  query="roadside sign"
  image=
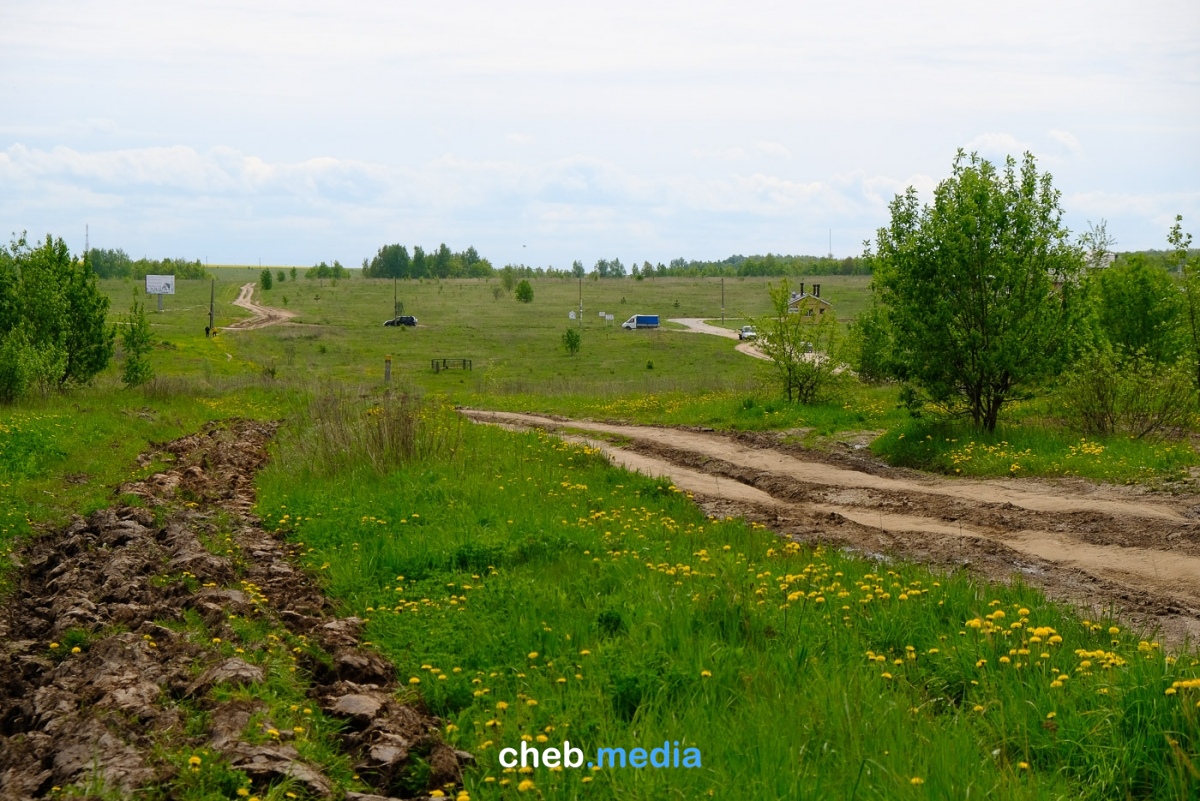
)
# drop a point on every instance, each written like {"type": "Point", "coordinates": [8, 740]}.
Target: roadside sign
{"type": "Point", "coordinates": [160, 285]}
{"type": "Point", "coordinates": [609, 317]}
{"type": "Point", "coordinates": [571, 315]}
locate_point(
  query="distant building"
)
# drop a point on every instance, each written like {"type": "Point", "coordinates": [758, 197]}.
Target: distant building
{"type": "Point", "coordinates": [809, 304]}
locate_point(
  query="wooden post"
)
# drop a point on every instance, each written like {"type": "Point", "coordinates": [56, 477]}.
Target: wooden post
{"type": "Point", "coordinates": [387, 369]}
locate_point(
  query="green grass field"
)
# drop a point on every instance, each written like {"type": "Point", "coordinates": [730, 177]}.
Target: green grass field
{"type": "Point", "coordinates": [528, 590]}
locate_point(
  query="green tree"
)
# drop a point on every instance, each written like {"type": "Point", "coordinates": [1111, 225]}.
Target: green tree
{"type": "Point", "coordinates": [52, 319]}
{"type": "Point", "coordinates": [1188, 264]}
{"type": "Point", "coordinates": [135, 339]}
{"type": "Point", "coordinates": [265, 279]}
{"type": "Point", "coordinates": [293, 271]}
{"type": "Point", "coordinates": [577, 269]}
{"type": "Point", "coordinates": [980, 287]}
{"type": "Point", "coordinates": [281, 276]}
{"type": "Point", "coordinates": [525, 291]}
{"type": "Point", "coordinates": [801, 348]}
{"type": "Point", "coordinates": [1139, 309]}
{"type": "Point", "coordinates": [572, 341]}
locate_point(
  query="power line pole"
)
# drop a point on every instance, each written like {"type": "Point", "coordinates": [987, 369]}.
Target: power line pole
{"type": "Point", "coordinates": [722, 300]}
{"type": "Point", "coordinates": [212, 300]}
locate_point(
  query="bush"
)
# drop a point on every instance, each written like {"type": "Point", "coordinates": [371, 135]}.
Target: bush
{"type": "Point", "coordinates": [572, 341]}
{"type": "Point", "coordinates": [525, 291]}
{"type": "Point", "coordinates": [52, 319]}
{"type": "Point", "coordinates": [135, 338]}
{"type": "Point", "coordinates": [265, 279]}
{"type": "Point", "coordinates": [1106, 394]}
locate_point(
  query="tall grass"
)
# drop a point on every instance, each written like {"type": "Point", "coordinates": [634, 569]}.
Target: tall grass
{"type": "Point", "coordinates": [338, 432]}
{"type": "Point", "coordinates": [529, 591]}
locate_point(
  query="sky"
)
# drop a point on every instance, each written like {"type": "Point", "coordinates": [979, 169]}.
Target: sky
{"type": "Point", "coordinates": [543, 132]}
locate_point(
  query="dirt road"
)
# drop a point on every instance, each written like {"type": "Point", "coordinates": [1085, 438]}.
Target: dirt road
{"type": "Point", "coordinates": [263, 315]}
{"type": "Point", "coordinates": [697, 325]}
{"type": "Point", "coordinates": [1100, 547]}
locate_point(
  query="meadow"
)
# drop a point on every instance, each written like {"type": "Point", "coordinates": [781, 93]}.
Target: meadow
{"type": "Point", "coordinates": [529, 592]}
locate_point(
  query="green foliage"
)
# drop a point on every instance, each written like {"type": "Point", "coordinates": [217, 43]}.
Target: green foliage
{"type": "Point", "coordinates": [870, 345]}
{"type": "Point", "coordinates": [508, 277]}
{"type": "Point", "coordinates": [52, 319]}
{"type": "Point", "coordinates": [264, 279]}
{"type": "Point", "coordinates": [572, 340]}
{"type": "Point", "coordinates": [1188, 264]}
{"type": "Point", "coordinates": [280, 276]}
{"type": "Point", "coordinates": [393, 261]}
{"type": "Point", "coordinates": [801, 348]}
{"type": "Point", "coordinates": [524, 291]}
{"type": "Point", "coordinates": [333, 272]}
{"type": "Point", "coordinates": [1132, 394]}
{"type": "Point", "coordinates": [980, 287]}
{"type": "Point", "coordinates": [135, 339]}
{"type": "Point", "coordinates": [1139, 308]}
{"type": "Point", "coordinates": [116, 263]}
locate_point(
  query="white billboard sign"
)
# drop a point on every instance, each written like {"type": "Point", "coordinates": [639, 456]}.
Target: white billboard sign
{"type": "Point", "coordinates": [160, 285]}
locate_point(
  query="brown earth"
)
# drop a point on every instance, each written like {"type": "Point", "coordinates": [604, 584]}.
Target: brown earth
{"type": "Point", "coordinates": [105, 717]}
{"type": "Point", "coordinates": [1100, 547]}
{"type": "Point", "coordinates": [263, 315]}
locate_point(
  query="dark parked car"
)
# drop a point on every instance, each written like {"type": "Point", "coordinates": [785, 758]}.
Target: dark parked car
{"type": "Point", "coordinates": [404, 319]}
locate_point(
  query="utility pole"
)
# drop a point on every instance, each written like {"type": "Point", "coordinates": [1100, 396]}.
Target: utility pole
{"type": "Point", "coordinates": [212, 300]}
{"type": "Point", "coordinates": [395, 297]}
{"type": "Point", "coordinates": [581, 303]}
{"type": "Point", "coordinates": [722, 300]}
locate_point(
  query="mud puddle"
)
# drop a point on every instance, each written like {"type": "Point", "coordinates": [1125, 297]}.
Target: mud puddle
{"type": "Point", "coordinates": [118, 650]}
{"type": "Point", "coordinates": [1099, 547]}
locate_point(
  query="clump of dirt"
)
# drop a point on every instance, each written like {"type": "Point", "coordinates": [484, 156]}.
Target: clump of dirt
{"type": "Point", "coordinates": [99, 662]}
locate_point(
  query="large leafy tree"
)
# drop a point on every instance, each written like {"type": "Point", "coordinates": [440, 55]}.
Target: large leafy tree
{"type": "Point", "coordinates": [978, 286]}
{"type": "Point", "coordinates": [1139, 309]}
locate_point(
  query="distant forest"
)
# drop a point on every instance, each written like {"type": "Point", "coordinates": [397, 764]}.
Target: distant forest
{"type": "Point", "coordinates": [117, 264]}
{"type": "Point", "coordinates": [395, 261]}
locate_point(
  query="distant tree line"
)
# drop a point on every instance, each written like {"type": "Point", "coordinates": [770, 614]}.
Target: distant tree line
{"type": "Point", "coordinates": [115, 263]}
{"type": "Point", "coordinates": [394, 261]}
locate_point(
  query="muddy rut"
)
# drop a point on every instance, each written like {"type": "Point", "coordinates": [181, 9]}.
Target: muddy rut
{"type": "Point", "coordinates": [1099, 547]}
{"type": "Point", "coordinates": [105, 670]}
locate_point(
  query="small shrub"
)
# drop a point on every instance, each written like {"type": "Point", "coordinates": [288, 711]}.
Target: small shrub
{"type": "Point", "coordinates": [135, 338]}
{"type": "Point", "coordinates": [265, 279]}
{"type": "Point", "coordinates": [572, 341]}
{"type": "Point", "coordinates": [525, 291]}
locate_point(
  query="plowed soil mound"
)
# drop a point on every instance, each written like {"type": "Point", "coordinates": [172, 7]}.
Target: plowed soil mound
{"type": "Point", "coordinates": [95, 673]}
{"type": "Point", "coordinates": [1098, 546]}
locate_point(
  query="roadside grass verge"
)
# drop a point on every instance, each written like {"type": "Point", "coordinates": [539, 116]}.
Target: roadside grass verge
{"type": "Point", "coordinates": [1034, 450]}
{"type": "Point", "coordinates": [749, 408]}
{"type": "Point", "coordinates": [529, 592]}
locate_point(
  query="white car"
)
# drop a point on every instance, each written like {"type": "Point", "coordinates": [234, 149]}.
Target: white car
{"type": "Point", "coordinates": [747, 332]}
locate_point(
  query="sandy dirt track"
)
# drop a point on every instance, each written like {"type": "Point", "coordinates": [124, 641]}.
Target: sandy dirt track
{"type": "Point", "coordinates": [697, 325]}
{"type": "Point", "coordinates": [263, 315]}
{"type": "Point", "coordinates": [1097, 546]}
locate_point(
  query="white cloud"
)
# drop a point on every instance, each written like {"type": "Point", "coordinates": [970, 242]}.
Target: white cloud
{"type": "Point", "coordinates": [1067, 140]}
